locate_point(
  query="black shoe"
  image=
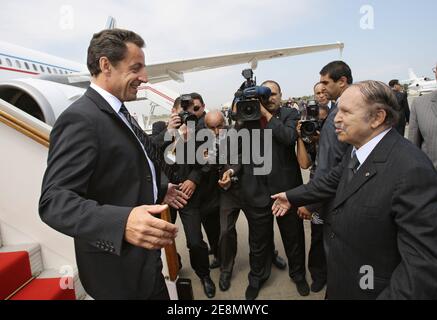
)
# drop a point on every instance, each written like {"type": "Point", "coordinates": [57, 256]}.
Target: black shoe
{"type": "Point", "coordinates": [279, 262]}
{"type": "Point", "coordinates": [303, 288]}
{"type": "Point", "coordinates": [252, 293]}
{"type": "Point", "coordinates": [317, 286]}
{"type": "Point", "coordinates": [208, 286]}
{"type": "Point", "coordinates": [215, 264]}
{"type": "Point", "coordinates": [225, 281]}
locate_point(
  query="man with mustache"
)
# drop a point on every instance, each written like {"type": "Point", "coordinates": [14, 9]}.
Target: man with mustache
{"type": "Point", "coordinates": [381, 241]}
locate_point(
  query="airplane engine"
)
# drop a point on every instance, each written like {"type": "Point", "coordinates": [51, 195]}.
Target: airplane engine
{"type": "Point", "coordinates": [45, 100]}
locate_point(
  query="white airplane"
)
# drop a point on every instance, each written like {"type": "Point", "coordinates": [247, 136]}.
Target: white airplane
{"type": "Point", "coordinates": [420, 86]}
{"type": "Point", "coordinates": [44, 85]}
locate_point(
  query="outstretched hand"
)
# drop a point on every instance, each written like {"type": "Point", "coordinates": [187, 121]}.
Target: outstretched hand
{"type": "Point", "coordinates": [281, 206]}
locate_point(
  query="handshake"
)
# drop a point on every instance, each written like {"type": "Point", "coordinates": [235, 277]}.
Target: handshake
{"type": "Point", "coordinates": [281, 207]}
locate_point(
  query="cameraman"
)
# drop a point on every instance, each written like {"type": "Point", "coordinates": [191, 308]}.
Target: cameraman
{"type": "Point", "coordinates": [256, 191]}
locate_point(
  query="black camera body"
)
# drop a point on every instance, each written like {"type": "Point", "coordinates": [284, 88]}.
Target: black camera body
{"type": "Point", "coordinates": [186, 116]}
{"type": "Point", "coordinates": [248, 99]}
{"type": "Point", "coordinates": [311, 123]}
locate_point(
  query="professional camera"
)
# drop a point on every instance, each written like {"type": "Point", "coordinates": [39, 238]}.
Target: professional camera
{"type": "Point", "coordinates": [311, 122]}
{"type": "Point", "coordinates": [186, 116]}
{"type": "Point", "coordinates": [248, 99]}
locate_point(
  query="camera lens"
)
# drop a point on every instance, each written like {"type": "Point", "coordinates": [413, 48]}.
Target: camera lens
{"type": "Point", "coordinates": [309, 128]}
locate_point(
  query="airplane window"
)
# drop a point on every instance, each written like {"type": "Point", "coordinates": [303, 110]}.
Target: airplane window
{"type": "Point", "coordinates": [27, 66]}
{"type": "Point", "coordinates": [9, 62]}
{"type": "Point", "coordinates": [34, 67]}
{"type": "Point", "coordinates": [49, 70]}
{"type": "Point", "coordinates": [55, 71]}
{"type": "Point", "coordinates": [42, 68]}
{"type": "Point", "coordinates": [18, 64]}
{"type": "Point", "coordinates": [1, 62]}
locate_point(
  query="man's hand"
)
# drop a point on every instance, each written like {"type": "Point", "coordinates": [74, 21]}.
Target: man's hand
{"type": "Point", "coordinates": [145, 231]}
{"type": "Point", "coordinates": [175, 198]}
{"type": "Point", "coordinates": [174, 123]}
{"type": "Point", "coordinates": [299, 129]}
{"type": "Point", "coordinates": [225, 182]}
{"type": "Point", "coordinates": [188, 187]}
{"type": "Point", "coordinates": [304, 214]}
{"type": "Point", "coordinates": [265, 113]}
{"type": "Point", "coordinates": [281, 206]}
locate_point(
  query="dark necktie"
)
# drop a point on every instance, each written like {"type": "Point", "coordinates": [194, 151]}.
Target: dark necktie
{"type": "Point", "coordinates": [156, 155]}
{"type": "Point", "coordinates": [352, 167]}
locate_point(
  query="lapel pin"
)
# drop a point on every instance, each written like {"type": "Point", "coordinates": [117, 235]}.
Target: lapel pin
{"type": "Point", "coordinates": [367, 174]}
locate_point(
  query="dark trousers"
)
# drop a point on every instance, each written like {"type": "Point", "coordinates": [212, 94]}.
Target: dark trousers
{"type": "Point", "coordinates": [228, 238]}
{"type": "Point", "coordinates": [198, 249]}
{"type": "Point", "coordinates": [260, 243]}
{"type": "Point", "coordinates": [160, 291]}
{"type": "Point", "coordinates": [293, 238]}
{"type": "Point", "coordinates": [317, 258]}
{"type": "Point", "coordinates": [211, 223]}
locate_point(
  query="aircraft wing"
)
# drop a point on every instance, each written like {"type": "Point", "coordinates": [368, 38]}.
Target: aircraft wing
{"type": "Point", "coordinates": [175, 70]}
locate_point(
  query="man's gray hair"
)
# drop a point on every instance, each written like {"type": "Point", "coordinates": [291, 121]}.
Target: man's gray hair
{"type": "Point", "coordinates": [380, 96]}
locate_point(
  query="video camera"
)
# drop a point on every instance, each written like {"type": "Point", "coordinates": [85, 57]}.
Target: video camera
{"type": "Point", "coordinates": [311, 122]}
{"type": "Point", "coordinates": [186, 116]}
{"type": "Point", "coordinates": [248, 99]}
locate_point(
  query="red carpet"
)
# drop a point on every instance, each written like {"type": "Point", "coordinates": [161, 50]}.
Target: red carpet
{"type": "Point", "coordinates": [14, 272]}
{"type": "Point", "coordinates": [44, 289]}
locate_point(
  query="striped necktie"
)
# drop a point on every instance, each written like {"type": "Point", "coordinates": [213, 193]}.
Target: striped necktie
{"type": "Point", "coordinates": [155, 154]}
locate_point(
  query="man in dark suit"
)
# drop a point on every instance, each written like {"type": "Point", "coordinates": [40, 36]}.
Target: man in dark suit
{"type": "Point", "coordinates": [191, 179]}
{"type": "Point", "coordinates": [381, 241]}
{"type": "Point", "coordinates": [423, 126]}
{"type": "Point", "coordinates": [229, 202]}
{"type": "Point", "coordinates": [102, 179]}
{"type": "Point", "coordinates": [256, 187]}
{"type": "Point", "coordinates": [336, 77]}
{"type": "Point", "coordinates": [404, 111]}
{"type": "Point", "coordinates": [208, 192]}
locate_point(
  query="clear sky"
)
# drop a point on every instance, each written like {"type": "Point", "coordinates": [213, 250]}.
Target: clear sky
{"type": "Point", "coordinates": [401, 36]}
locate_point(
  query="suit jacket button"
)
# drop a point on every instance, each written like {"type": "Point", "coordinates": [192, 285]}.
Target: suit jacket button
{"type": "Point", "coordinates": [149, 179]}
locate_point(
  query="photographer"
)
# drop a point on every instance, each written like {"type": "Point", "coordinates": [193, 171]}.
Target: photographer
{"type": "Point", "coordinates": [336, 77]}
{"type": "Point", "coordinates": [256, 189]}
{"type": "Point", "coordinates": [189, 178]}
{"type": "Point", "coordinates": [306, 155]}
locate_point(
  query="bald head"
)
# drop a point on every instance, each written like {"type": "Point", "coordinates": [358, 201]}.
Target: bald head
{"type": "Point", "coordinates": [215, 121]}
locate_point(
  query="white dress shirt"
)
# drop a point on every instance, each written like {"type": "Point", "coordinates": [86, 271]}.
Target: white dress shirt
{"type": "Point", "coordinates": [115, 104]}
{"type": "Point", "coordinates": [364, 152]}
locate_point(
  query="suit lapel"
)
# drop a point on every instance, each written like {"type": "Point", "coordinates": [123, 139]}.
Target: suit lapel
{"type": "Point", "coordinates": [103, 105]}
{"type": "Point", "coordinates": [368, 170]}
